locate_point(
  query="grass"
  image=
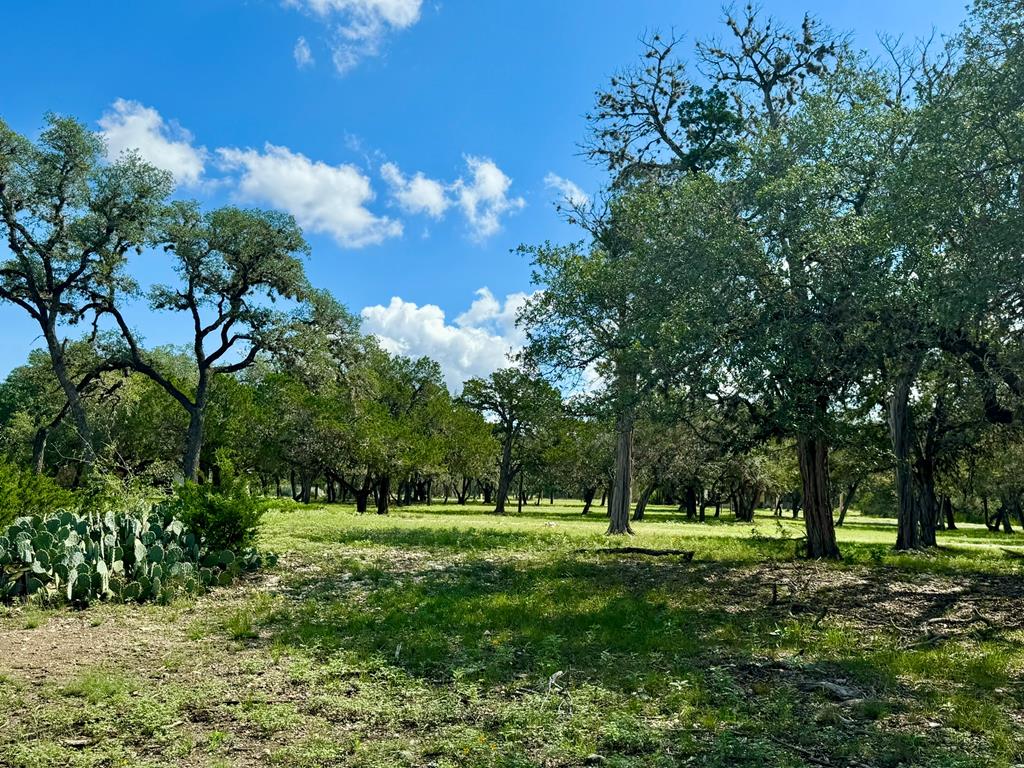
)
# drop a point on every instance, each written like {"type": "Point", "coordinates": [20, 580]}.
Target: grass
{"type": "Point", "coordinates": [446, 637]}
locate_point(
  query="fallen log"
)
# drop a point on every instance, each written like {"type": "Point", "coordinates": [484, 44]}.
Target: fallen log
{"type": "Point", "coordinates": [686, 554]}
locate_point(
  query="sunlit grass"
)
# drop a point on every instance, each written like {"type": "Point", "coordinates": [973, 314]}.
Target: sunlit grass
{"type": "Point", "coordinates": [445, 636]}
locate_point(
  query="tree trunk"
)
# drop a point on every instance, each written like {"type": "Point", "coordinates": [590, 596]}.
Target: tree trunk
{"type": "Point", "coordinates": [504, 476]}
{"type": "Point", "coordinates": [75, 405]}
{"type": "Point", "coordinates": [39, 450]}
{"type": "Point", "coordinates": [746, 500]}
{"type": "Point", "coordinates": [641, 503]}
{"type": "Point", "coordinates": [383, 494]}
{"type": "Point", "coordinates": [947, 512]}
{"type": "Point", "coordinates": [619, 503]}
{"type": "Point", "coordinates": [929, 508]}
{"type": "Point", "coordinates": [194, 440]}
{"type": "Point", "coordinates": [908, 522]}
{"type": "Point", "coordinates": [588, 499]}
{"type": "Point", "coordinates": [845, 500]}
{"type": "Point", "coordinates": [690, 502]}
{"type": "Point", "coordinates": [817, 496]}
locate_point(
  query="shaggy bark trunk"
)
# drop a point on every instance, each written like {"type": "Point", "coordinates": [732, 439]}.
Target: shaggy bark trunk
{"type": "Point", "coordinates": [504, 476]}
{"type": "Point", "coordinates": [817, 495]}
{"type": "Point", "coordinates": [618, 505]}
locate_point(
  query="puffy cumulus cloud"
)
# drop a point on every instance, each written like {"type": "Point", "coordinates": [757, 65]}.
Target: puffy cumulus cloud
{"type": "Point", "coordinates": [130, 126]}
{"type": "Point", "coordinates": [418, 194]}
{"type": "Point", "coordinates": [322, 198]}
{"type": "Point", "coordinates": [484, 198]}
{"type": "Point", "coordinates": [303, 55]}
{"type": "Point", "coordinates": [567, 190]}
{"type": "Point", "coordinates": [360, 26]}
{"type": "Point", "coordinates": [476, 344]}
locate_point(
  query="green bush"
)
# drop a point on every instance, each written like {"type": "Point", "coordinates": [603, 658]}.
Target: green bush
{"type": "Point", "coordinates": [23, 492]}
{"type": "Point", "coordinates": [224, 518]}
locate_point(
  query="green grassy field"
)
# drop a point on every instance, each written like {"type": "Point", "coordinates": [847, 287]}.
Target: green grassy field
{"type": "Point", "coordinates": [444, 636]}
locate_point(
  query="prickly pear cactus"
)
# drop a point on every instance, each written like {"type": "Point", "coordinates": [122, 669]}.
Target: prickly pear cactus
{"type": "Point", "coordinates": [83, 558]}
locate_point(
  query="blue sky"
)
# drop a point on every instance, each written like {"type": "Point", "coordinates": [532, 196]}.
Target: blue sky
{"type": "Point", "coordinates": [417, 142]}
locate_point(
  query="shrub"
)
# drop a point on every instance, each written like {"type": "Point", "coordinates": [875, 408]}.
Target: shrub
{"type": "Point", "coordinates": [23, 492]}
{"type": "Point", "coordinates": [225, 518]}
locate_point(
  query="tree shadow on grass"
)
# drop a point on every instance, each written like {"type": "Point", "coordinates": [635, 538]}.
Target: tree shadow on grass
{"type": "Point", "coordinates": [503, 620]}
{"type": "Point", "coordinates": [729, 637]}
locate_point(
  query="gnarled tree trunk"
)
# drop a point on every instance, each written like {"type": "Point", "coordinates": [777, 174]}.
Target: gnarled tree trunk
{"type": "Point", "coordinates": [817, 495]}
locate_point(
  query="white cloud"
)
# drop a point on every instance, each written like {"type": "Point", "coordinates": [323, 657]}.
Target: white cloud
{"type": "Point", "coordinates": [360, 26]}
{"type": "Point", "coordinates": [132, 126]}
{"type": "Point", "coordinates": [484, 198]}
{"type": "Point", "coordinates": [568, 191]}
{"type": "Point", "coordinates": [418, 194]}
{"type": "Point", "coordinates": [322, 197]}
{"type": "Point", "coordinates": [476, 344]}
{"type": "Point", "coordinates": [303, 55]}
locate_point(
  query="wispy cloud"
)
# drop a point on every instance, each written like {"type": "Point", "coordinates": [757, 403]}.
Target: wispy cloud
{"type": "Point", "coordinates": [568, 191]}
{"type": "Point", "coordinates": [303, 55]}
{"type": "Point", "coordinates": [359, 27]}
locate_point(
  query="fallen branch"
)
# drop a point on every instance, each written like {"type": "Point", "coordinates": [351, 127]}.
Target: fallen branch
{"type": "Point", "coordinates": [686, 554]}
